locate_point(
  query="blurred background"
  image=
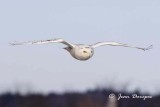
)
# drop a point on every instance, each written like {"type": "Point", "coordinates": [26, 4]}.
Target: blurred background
{"type": "Point", "coordinates": [48, 74]}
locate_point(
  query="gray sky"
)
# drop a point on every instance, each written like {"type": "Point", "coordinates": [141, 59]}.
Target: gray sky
{"type": "Point", "coordinates": [46, 68]}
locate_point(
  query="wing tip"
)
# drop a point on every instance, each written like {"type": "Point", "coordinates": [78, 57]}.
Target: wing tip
{"type": "Point", "coordinates": [12, 44]}
{"type": "Point", "coordinates": [15, 43]}
{"type": "Point", "coordinates": [148, 48]}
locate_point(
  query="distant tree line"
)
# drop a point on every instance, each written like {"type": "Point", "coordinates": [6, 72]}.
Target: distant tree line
{"type": "Point", "coordinates": [96, 98]}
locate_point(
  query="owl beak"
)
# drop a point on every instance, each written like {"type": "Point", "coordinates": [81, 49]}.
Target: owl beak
{"type": "Point", "coordinates": [84, 51]}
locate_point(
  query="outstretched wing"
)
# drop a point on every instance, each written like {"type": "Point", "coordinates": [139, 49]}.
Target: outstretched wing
{"type": "Point", "coordinates": [119, 44]}
{"type": "Point", "coordinates": [45, 42]}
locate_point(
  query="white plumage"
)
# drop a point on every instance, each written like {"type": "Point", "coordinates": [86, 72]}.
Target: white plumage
{"type": "Point", "coordinates": [80, 51]}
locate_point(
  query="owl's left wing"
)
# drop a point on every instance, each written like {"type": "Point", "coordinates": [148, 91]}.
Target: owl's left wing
{"type": "Point", "coordinates": [119, 44]}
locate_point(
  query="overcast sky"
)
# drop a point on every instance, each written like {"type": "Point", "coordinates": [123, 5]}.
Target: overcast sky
{"type": "Point", "coordinates": [49, 68]}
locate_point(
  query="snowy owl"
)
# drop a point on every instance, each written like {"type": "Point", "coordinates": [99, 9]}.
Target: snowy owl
{"type": "Point", "coordinates": [80, 51]}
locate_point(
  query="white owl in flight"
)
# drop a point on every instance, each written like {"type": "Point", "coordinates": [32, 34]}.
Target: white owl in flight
{"type": "Point", "coordinates": [81, 51]}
